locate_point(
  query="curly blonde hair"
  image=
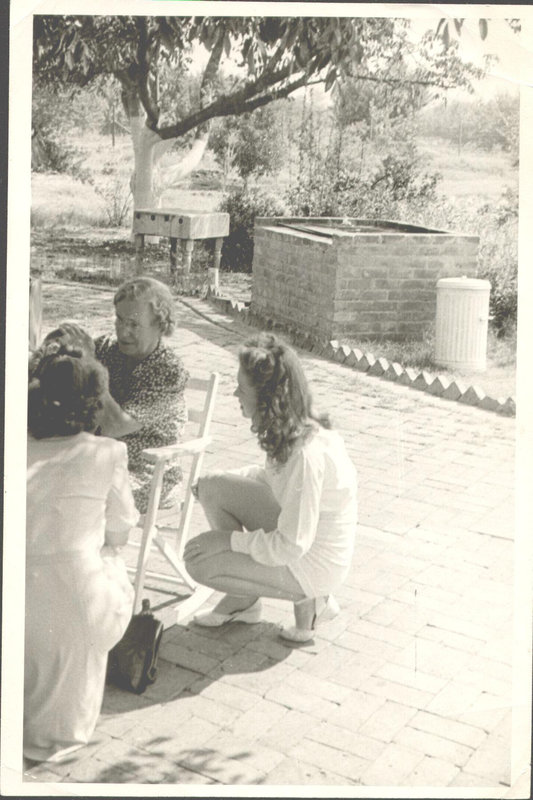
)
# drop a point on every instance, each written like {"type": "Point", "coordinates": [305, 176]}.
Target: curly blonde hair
{"type": "Point", "coordinates": [284, 404]}
{"type": "Point", "coordinates": [156, 294]}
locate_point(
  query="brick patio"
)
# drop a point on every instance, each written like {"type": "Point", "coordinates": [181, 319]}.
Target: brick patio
{"type": "Point", "coordinates": [411, 685]}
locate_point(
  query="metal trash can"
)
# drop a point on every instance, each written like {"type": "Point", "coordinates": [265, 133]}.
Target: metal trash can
{"type": "Point", "coordinates": [462, 323]}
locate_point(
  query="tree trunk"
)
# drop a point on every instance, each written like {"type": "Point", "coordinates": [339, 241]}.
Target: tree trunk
{"type": "Point", "coordinates": [144, 147]}
{"type": "Point", "coordinates": [148, 148]}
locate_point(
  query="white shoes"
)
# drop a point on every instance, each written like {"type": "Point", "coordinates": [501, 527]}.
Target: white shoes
{"type": "Point", "coordinates": [326, 608]}
{"type": "Point", "coordinates": [213, 619]}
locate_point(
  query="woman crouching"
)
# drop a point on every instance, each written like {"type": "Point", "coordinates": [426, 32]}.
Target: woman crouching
{"type": "Point", "coordinates": [286, 530]}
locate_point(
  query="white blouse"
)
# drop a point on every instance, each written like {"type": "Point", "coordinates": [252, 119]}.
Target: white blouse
{"type": "Point", "coordinates": [317, 492]}
{"type": "Point", "coordinates": [78, 487]}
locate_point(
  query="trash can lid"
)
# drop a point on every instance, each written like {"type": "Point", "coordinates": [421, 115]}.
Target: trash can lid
{"type": "Point", "coordinates": [473, 284]}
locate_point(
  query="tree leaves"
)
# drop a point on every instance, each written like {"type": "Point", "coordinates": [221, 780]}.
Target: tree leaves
{"type": "Point", "coordinates": [278, 54]}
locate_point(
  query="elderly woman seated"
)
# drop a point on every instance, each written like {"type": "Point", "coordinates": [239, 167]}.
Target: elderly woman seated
{"type": "Point", "coordinates": [146, 379]}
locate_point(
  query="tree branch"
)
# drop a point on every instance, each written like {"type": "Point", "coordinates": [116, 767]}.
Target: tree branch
{"type": "Point", "coordinates": [404, 81]}
{"type": "Point", "coordinates": [143, 73]}
{"type": "Point", "coordinates": [223, 105]}
{"type": "Point", "coordinates": [209, 76]}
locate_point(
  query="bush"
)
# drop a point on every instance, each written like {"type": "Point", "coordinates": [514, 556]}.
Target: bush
{"type": "Point", "coordinates": [498, 259]}
{"type": "Point", "coordinates": [496, 224]}
{"type": "Point", "coordinates": [243, 206]}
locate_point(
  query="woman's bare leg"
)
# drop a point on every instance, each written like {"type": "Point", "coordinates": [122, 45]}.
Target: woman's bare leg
{"type": "Point", "coordinates": [232, 502]}
{"type": "Point", "coordinates": [244, 580]}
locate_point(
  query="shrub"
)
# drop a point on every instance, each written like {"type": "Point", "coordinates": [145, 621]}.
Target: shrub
{"type": "Point", "coordinates": [498, 258]}
{"type": "Point", "coordinates": [244, 205]}
{"type": "Point", "coordinates": [496, 224]}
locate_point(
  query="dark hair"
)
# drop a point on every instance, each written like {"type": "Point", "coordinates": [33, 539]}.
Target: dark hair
{"type": "Point", "coordinates": [65, 391]}
{"type": "Point", "coordinates": [72, 334]}
{"type": "Point", "coordinates": [156, 294]}
{"type": "Point", "coordinates": [284, 402]}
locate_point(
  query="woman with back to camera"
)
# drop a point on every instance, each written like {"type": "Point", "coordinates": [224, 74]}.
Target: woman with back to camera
{"type": "Point", "coordinates": [146, 378]}
{"type": "Point", "coordinates": [286, 530]}
{"type": "Point", "coordinates": [79, 510]}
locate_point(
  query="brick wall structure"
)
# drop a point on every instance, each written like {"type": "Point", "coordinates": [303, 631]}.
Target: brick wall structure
{"type": "Point", "coordinates": [338, 278]}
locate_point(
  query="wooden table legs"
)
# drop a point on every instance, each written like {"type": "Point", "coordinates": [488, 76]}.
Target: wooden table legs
{"type": "Point", "coordinates": [187, 249]}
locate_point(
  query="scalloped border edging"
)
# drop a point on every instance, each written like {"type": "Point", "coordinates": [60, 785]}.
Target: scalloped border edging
{"type": "Point", "coordinates": [436, 385]}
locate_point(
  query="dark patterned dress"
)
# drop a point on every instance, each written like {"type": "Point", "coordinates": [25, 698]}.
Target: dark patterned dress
{"type": "Point", "coordinates": [153, 393]}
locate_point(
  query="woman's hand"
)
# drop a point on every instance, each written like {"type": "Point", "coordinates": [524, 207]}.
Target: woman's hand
{"type": "Point", "coordinates": [206, 545]}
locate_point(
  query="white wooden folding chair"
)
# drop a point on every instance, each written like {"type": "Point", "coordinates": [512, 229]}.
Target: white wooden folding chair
{"type": "Point", "coordinates": [189, 595]}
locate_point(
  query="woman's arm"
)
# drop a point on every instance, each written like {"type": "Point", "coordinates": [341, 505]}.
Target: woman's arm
{"type": "Point", "coordinates": [120, 514]}
{"type": "Point", "coordinates": [302, 481]}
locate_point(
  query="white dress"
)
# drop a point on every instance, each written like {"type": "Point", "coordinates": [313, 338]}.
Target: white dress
{"type": "Point", "coordinates": [78, 594]}
{"type": "Point", "coordinates": [317, 493]}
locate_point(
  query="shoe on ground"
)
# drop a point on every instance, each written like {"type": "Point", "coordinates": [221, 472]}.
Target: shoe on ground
{"type": "Point", "coordinates": [327, 608]}
{"type": "Point", "coordinates": [213, 619]}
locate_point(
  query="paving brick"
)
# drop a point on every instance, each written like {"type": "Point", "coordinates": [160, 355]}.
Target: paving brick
{"type": "Point", "coordinates": [410, 677]}
{"type": "Point", "coordinates": [453, 699]}
{"type": "Point", "coordinates": [252, 724]}
{"type": "Point", "coordinates": [319, 687]}
{"type": "Point", "coordinates": [40, 773]}
{"type": "Point", "coordinates": [381, 633]}
{"type": "Point", "coordinates": [364, 746]}
{"type": "Point", "coordinates": [486, 682]}
{"type": "Point", "coordinates": [290, 697]}
{"type": "Point", "coordinates": [291, 772]}
{"type": "Point", "coordinates": [492, 759]}
{"type": "Point", "coordinates": [260, 682]}
{"type": "Point", "coordinates": [336, 761]}
{"type": "Point", "coordinates": [432, 772]}
{"type": "Point", "coordinates": [216, 649]}
{"type": "Point", "coordinates": [189, 659]}
{"type": "Point", "coordinates": [373, 648]}
{"type": "Point", "coordinates": [392, 766]}
{"type": "Point", "coordinates": [385, 613]}
{"type": "Point", "coordinates": [356, 710]}
{"type": "Point", "coordinates": [229, 747]}
{"type": "Point", "coordinates": [457, 625]}
{"type": "Point", "coordinates": [171, 681]}
{"type": "Point", "coordinates": [432, 745]}
{"type": "Point", "coordinates": [448, 728]}
{"type": "Point", "coordinates": [232, 696]}
{"type": "Point", "coordinates": [485, 712]}
{"type": "Point", "coordinates": [390, 690]}
{"type": "Point", "coordinates": [295, 726]}
{"type": "Point", "coordinates": [477, 781]}
{"type": "Point", "coordinates": [450, 639]}
{"type": "Point", "coordinates": [198, 706]}
{"type": "Point", "coordinates": [276, 650]}
{"type": "Point", "coordinates": [116, 725]}
{"type": "Point", "coordinates": [355, 669]}
{"type": "Point", "coordinates": [432, 658]}
{"type": "Point", "coordinates": [95, 771]}
{"type": "Point", "coordinates": [210, 764]}
{"type": "Point", "coordinates": [385, 723]}
{"type": "Point", "coordinates": [412, 621]}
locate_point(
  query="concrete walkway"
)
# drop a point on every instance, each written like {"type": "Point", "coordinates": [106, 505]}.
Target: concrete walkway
{"type": "Point", "coordinates": [411, 685]}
